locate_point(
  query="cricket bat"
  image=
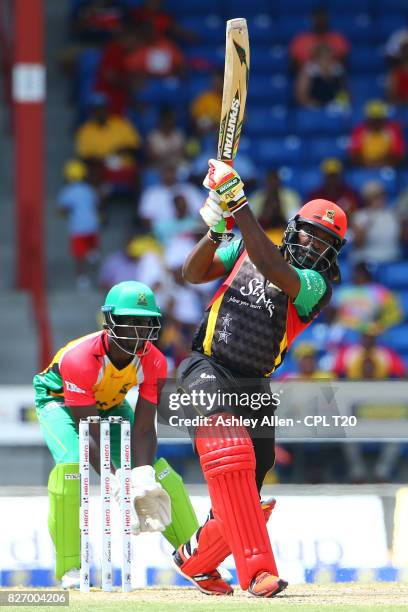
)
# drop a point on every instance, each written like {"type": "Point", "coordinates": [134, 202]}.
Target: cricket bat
{"type": "Point", "coordinates": [234, 95]}
{"type": "Point", "coordinates": [236, 74]}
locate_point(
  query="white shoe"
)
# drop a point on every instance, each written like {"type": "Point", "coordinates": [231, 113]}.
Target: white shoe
{"type": "Point", "coordinates": [70, 579]}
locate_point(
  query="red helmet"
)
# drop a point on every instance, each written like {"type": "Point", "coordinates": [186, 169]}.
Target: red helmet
{"type": "Point", "coordinates": [315, 252]}
{"type": "Point", "coordinates": [325, 214]}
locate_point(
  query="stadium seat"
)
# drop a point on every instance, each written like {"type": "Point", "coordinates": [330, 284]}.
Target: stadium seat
{"type": "Point", "coordinates": [389, 22]}
{"type": "Point", "coordinates": [363, 88]}
{"type": "Point", "coordinates": [243, 8]}
{"type": "Point", "coordinates": [303, 7]}
{"type": "Point", "coordinates": [394, 275]}
{"type": "Point", "coordinates": [163, 92]}
{"type": "Point", "coordinates": [264, 121]}
{"type": "Point", "coordinates": [357, 27]}
{"type": "Point", "coordinates": [86, 68]}
{"type": "Point", "coordinates": [209, 28]}
{"type": "Point", "coordinates": [366, 59]}
{"type": "Point", "coordinates": [324, 121]}
{"type": "Point", "coordinates": [403, 298]}
{"type": "Point", "coordinates": [205, 57]}
{"type": "Point", "coordinates": [319, 148]}
{"type": "Point", "coordinates": [188, 7]}
{"type": "Point", "coordinates": [355, 7]}
{"type": "Point", "coordinates": [269, 90]}
{"type": "Point", "coordinates": [278, 151]}
{"type": "Point", "coordinates": [396, 338]}
{"type": "Point", "coordinates": [261, 29]}
{"type": "Point", "coordinates": [268, 59]}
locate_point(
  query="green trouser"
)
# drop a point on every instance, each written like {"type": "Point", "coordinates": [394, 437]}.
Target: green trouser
{"type": "Point", "coordinates": [61, 437]}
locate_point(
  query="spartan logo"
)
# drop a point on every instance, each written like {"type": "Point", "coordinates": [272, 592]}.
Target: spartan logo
{"type": "Point", "coordinates": [231, 128]}
{"type": "Point", "coordinates": [329, 216]}
{"type": "Point", "coordinates": [142, 300]}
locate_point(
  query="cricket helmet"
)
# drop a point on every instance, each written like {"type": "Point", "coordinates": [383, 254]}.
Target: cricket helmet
{"type": "Point", "coordinates": [313, 251]}
{"type": "Point", "coordinates": [131, 316]}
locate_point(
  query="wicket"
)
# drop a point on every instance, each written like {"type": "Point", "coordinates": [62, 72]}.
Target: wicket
{"type": "Point", "coordinates": [105, 494]}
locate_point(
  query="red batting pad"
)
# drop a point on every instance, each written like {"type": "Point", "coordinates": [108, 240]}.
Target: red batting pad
{"type": "Point", "coordinates": [228, 463]}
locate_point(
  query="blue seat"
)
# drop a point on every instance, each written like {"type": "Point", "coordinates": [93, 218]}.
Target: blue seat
{"type": "Point", "coordinates": [261, 30]}
{"type": "Point", "coordinates": [287, 27]}
{"type": "Point", "coordinates": [323, 121]}
{"type": "Point", "coordinates": [276, 152]}
{"type": "Point", "coordinates": [403, 299]}
{"type": "Point", "coordinates": [188, 7]}
{"type": "Point", "coordinates": [304, 7]}
{"type": "Point", "coordinates": [396, 338]}
{"type": "Point", "coordinates": [162, 92]}
{"type": "Point", "coordinates": [265, 90]}
{"type": "Point", "coordinates": [388, 176]}
{"type": "Point", "coordinates": [144, 121]}
{"type": "Point", "coordinates": [358, 28]}
{"type": "Point", "coordinates": [366, 59]}
{"type": "Point", "coordinates": [319, 148]}
{"type": "Point", "coordinates": [86, 70]}
{"type": "Point", "coordinates": [210, 28]}
{"type": "Point", "coordinates": [211, 55]}
{"type": "Point", "coordinates": [197, 84]}
{"type": "Point", "coordinates": [363, 88]}
{"type": "Point", "coordinates": [357, 6]}
{"type": "Point", "coordinates": [392, 6]}
{"type": "Point", "coordinates": [389, 22]}
{"type": "Point", "coordinates": [402, 180]}
{"type": "Point", "coordinates": [243, 8]}
{"type": "Point", "coordinates": [394, 275]}
{"type": "Point", "coordinates": [268, 59]}
{"type": "Point", "coordinates": [302, 180]}
{"type": "Point", "coordinates": [265, 120]}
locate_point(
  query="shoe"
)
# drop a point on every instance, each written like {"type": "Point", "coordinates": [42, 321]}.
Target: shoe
{"type": "Point", "coordinates": [266, 584]}
{"type": "Point", "coordinates": [211, 583]}
{"type": "Point", "coordinates": [71, 579]}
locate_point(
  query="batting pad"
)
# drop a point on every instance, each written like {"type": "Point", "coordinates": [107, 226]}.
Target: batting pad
{"type": "Point", "coordinates": [63, 517]}
{"type": "Point", "coordinates": [228, 461]}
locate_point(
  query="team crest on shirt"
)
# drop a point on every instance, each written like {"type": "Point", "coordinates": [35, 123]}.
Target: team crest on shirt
{"type": "Point", "coordinates": [142, 300]}
{"type": "Point", "coordinates": [329, 216]}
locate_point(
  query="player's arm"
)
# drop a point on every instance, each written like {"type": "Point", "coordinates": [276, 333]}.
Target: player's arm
{"type": "Point", "coordinates": [144, 438]}
{"type": "Point", "coordinates": [203, 264]}
{"type": "Point", "coordinates": [80, 412]}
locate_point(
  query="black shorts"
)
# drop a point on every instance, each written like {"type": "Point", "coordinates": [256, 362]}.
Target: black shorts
{"type": "Point", "coordinates": [230, 392]}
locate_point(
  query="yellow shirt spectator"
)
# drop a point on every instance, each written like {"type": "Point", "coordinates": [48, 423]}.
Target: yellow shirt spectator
{"type": "Point", "coordinates": [207, 107]}
{"type": "Point", "coordinates": [98, 140]}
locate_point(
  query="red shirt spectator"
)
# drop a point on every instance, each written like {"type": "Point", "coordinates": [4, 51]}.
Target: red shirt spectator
{"type": "Point", "coordinates": [112, 78]}
{"type": "Point", "coordinates": [398, 81]}
{"type": "Point", "coordinates": [156, 56]}
{"type": "Point", "coordinates": [303, 45]}
{"type": "Point", "coordinates": [367, 360]}
{"type": "Point", "coordinates": [377, 141]}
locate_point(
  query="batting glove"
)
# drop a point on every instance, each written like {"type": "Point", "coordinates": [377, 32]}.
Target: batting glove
{"type": "Point", "coordinates": [219, 220]}
{"type": "Point", "coordinates": [227, 183]}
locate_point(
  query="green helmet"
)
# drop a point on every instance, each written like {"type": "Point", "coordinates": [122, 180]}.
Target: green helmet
{"type": "Point", "coordinates": [131, 298]}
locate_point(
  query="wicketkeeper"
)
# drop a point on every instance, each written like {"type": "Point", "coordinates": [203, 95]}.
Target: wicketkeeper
{"type": "Point", "coordinates": [269, 295]}
{"type": "Point", "coordinates": [90, 376]}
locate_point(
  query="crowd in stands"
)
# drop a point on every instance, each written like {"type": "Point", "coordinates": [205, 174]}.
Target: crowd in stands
{"type": "Point", "coordinates": [326, 117]}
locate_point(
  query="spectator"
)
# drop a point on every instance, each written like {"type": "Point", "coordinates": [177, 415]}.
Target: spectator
{"type": "Point", "coordinates": [111, 143]}
{"type": "Point", "coordinates": [140, 260]}
{"type": "Point", "coordinates": [182, 224]}
{"type": "Point", "coordinates": [334, 187]}
{"type": "Point", "coordinates": [205, 109]}
{"type": "Point", "coordinates": [78, 201]}
{"type": "Point", "coordinates": [163, 24]}
{"type": "Point", "coordinates": [166, 141]}
{"type": "Point", "coordinates": [305, 355]}
{"type": "Point", "coordinates": [157, 202]}
{"type": "Point", "coordinates": [366, 360]}
{"type": "Point", "coordinates": [96, 21]}
{"type": "Point", "coordinates": [398, 78]}
{"type": "Point", "coordinates": [274, 205]}
{"type": "Point", "coordinates": [112, 76]}
{"type": "Point", "coordinates": [375, 227]}
{"type": "Point", "coordinates": [402, 215]}
{"type": "Point", "coordinates": [157, 56]}
{"type": "Point", "coordinates": [377, 141]}
{"type": "Point", "coordinates": [364, 305]}
{"type": "Point", "coordinates": [303, 45]}
{"type": "Point", "coordinates": [321, 80]}
{"type": "Point", "coordinates": [394, 45]}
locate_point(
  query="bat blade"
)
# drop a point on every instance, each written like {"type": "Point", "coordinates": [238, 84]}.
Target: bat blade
{"type": "Point", "coordinates": [236, 75]}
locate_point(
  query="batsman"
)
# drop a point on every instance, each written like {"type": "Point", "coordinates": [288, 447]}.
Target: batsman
{"type": "Point", "coordinates": [268, 296]}
{"type": "Point", "coordinates": [90, 376]}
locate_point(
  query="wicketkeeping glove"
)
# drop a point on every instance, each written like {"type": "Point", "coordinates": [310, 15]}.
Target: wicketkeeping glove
{"type": "Point", "coordinates": [218, 218]}
{"type": "Point", "coordinates": [227, 183]}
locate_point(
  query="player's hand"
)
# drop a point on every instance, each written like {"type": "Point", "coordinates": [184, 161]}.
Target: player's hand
{"type": "Point", "coordinates": [218, 218]}
{"type": "Point", "coordinates": [115, 482]}
{"type": "Point", "coordinates": [227, 183]}
{"type": "Point", "coordinates": [150, 501]}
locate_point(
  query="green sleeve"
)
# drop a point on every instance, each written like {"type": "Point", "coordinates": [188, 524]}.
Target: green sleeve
{"type": "Point", "coordinates": [230, 253]}
{"type": "Point", "coordinates": [314, 293]}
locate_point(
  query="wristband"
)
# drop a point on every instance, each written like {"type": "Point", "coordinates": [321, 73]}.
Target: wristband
{"type": "Point", "coordinates": [236, 205]}
{"type": "Point", "coordinates": [218, 237]}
